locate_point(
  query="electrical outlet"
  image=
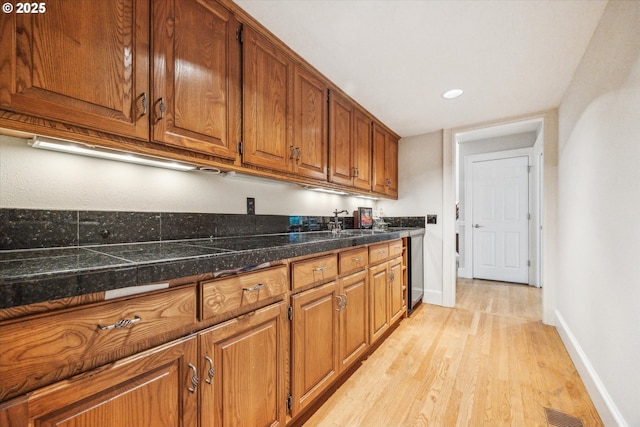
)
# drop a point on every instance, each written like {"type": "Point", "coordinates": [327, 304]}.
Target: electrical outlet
{"type": "Point", "coordinates": [432, 219]}
{"type": "Point", "coordinates": [251, 206]}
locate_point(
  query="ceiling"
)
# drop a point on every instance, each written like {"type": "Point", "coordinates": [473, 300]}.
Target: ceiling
{"type": "Point", "coordinates": [397, 57]}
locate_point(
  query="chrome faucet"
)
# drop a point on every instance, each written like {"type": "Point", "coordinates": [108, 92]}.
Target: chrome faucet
{"type": "Point", "coordinates": [336, 224]}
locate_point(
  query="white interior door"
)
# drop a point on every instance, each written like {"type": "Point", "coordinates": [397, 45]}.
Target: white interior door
{"type": "Point", "coordinates": [501, 219]}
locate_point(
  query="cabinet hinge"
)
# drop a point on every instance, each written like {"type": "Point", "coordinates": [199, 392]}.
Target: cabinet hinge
{"type": "Point", "coordinates": [239, 147]}
{"type": "Point", "coordinates": [240, 35]}
{"type": "Point", "coordinates": [290, 313]}
{"type": "Point", "coordinates": [289, 403]}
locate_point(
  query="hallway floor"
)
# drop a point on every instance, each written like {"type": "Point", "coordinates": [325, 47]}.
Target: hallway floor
{"type": "Point", "coordinates": [488, 362]}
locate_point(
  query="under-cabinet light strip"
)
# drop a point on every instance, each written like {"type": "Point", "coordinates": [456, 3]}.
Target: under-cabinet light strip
{"type": "Point", "coordinates": [73, 147]}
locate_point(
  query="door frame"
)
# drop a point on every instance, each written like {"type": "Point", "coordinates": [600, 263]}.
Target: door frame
{"type": "Point", "coordinates": [549, 262]}
{"type": "Point", "coordinates": [467, 270]}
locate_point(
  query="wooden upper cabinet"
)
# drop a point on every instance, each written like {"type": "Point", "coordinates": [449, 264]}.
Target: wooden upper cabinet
{"type": "Point", "coordinates": [349, 144]}
{"type": "Point", "coordinates": [340, 140]}
{"type": "Point", "coordinates": [362, 150]}
{"type": "Point", "coordinates": [82, 62]}
{"type": "Point", "coordinates": [267, 119]}
{"type": "Point", "coordinates": [310, 126]}
{"type": "Point", "coordinates": [385, 162]}
{"type": "Point", "coordinates": [196, 77]}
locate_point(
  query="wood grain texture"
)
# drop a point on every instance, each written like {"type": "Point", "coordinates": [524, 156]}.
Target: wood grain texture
{"type": "Point", "coordinates": [196, 73]}
{"type": "Point", "coordinates": [41, 349]}
{"type": "Point", "coordinates": [488, 362]}
{"type": "Point", "coordinates": [310, 124]}
{"type": "Point", "coordinates": [243, 291]}
{"type": "Point", "coordinates": [147, 389]}
{"type": "Point", "coordinates": [354, 319]}
{"type": "Point", "coordinates": [362, 149]}
{"type": "Point", "coordinates": [313, 270]}
{"type": "Point", "coordinates": [81, 62]}
{"type": "Point", "coordinates": [314, 344]}
{"type": "Point", "coordinates": [247, 353]}
{"type": "Point", "coordinates": [340, 140]}
{"type": "Point", "coordinates": [267, 94]}
{"type": "Point", "coordinates": [354, 260]}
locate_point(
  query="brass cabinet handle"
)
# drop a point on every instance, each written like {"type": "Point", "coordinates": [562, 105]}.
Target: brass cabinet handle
{"type": "Point", "coordinates": [299, 150]}
{"type": "Point", "coordinates": [392, 277]}
{"type": "Point", "coordinates": [120, 324]}
{"type": "Point", "coordinates": [340, 302]}
{"type": "Point", "coordinates": [194, 379]}
{"type": "Point", "coordinates": [358, 259]}
{"type": "Point", "coordinates": [211, 372]}
{"type": "Point", "coordinates": [346, 301]}
{"type": "Point", "coordinates": [321, 268]}
{"type": "Point", "coordinates": [293, 152]}
{"type": "Point", "coordinates": [254, 288]}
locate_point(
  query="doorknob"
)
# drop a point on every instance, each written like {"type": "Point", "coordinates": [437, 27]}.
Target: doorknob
{"type": "Point", "coordinates": [478, 226]}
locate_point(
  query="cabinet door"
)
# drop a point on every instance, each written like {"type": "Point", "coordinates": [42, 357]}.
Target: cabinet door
{"type": "Point", "coordinates": [391, 165]}
{"type": "Point", "coordinates": [310, 125]}
{"type": "Point", "coordinates": [196, 76]}
{"type": "Point", "coordinates": [385, 162]}
{"type": "Point", "coordinates": [153, 388]}
{"type": "Point", "coordinates": [314, 343]}
{"type": "Point", "coordinates": [354, 318]}
{"type": "Point", "coordinates": [396, 293]}
{"type": "Point", "coordinates": [379, 302]}
{"type": "Point", "coordinates": [340, 140]}
{"type": "Point", "coordinates": [242, 382]}
{"type": "Point", "coordinates": [362, 150]}
{"type": "Point", "coordinates": [267, 94]}
{"type": "Point", "coordinates": [379, 184]}
{"type": "Point", "coordinates": [82, 62]}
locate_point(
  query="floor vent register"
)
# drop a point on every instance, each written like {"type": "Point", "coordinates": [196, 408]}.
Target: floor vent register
{"type": "Point", "coordinates": [560, 419]}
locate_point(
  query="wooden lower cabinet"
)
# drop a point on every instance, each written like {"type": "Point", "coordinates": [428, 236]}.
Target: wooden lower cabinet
{"type": "Point", "coordinates": [387, 303]}
{"type": "Point", "coordinates": [354, 318]}
{"type": "Point", "coordinates": [152, 388]}
{"type": "Point", "coordinates": [314, 344]}
{"type": "Point", "coordinates": [330, 332]}
{"type": "Point", "coordinates": [243, 371]}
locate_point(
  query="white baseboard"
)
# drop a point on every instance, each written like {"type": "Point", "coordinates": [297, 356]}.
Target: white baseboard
{"type": "Point", "coordinates": [606, 407]}
{"type": "Point", "coordinates": [432, 297]}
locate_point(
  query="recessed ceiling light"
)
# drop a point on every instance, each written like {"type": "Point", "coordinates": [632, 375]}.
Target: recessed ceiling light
{"type": "Point", "coordinates": [452, 94]}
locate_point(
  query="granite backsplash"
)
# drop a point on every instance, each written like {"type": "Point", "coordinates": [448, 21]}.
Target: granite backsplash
{"type": "Point", "coordinates": [31, 229]}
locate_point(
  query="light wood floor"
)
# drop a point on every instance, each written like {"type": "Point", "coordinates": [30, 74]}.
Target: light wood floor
{"type": "Point", "coordinates": [488, 362]}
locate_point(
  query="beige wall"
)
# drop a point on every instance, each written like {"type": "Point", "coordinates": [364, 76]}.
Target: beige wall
{"type": "Point", "coordinates": [598, 292]}
{"type": "Point", "coordinates": [420, 186]}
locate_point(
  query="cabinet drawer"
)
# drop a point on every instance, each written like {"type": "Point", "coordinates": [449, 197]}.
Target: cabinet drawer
{"type": "Point", "coordinates": [242, 291]}
{"type": "Point", "coordinates": [314, 270]}
{"type": "Point", "coordinates": [378, 252]}
{"type": "Point", "coordinates": [354, 260]}
{"type": "Point", "coordinates": [45, 348]}
{"type": "Point", "coordinates": [395, 248]}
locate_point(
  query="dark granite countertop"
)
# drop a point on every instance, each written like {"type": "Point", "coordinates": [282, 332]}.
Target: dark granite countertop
{"type": "Point", "coordinates": [38, 275]}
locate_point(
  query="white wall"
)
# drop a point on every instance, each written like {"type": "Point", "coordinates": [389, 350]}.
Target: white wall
{"type": "Point", "coordinates": [420, 194]}
{"type": "Point", "coordinates": [39, 179]}
{"type": "Point", "coordinates": [598, 292]}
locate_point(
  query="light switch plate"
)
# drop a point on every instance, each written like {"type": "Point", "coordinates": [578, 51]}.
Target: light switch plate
{"type": "Point", "coordinates": [432, 219]}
